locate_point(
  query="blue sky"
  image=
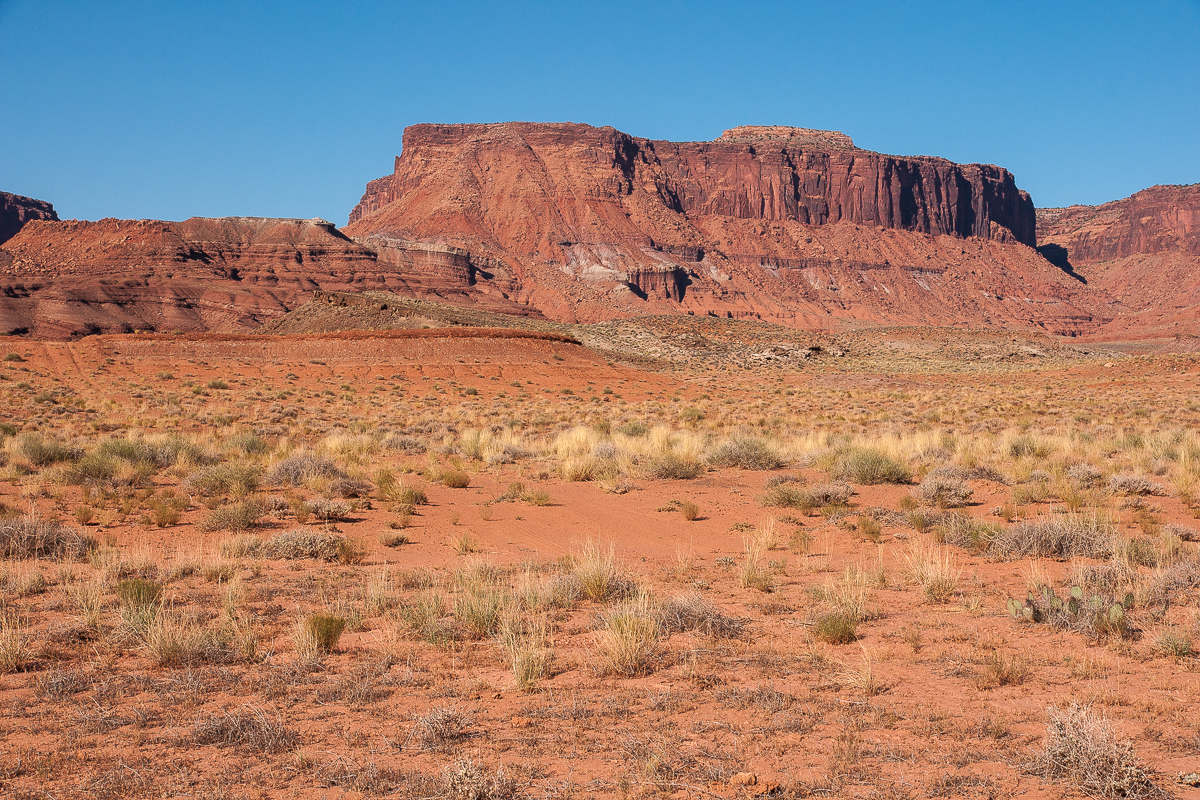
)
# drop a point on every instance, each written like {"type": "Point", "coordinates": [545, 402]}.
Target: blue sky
{"type": "Point", "coordinates": [173, 109]}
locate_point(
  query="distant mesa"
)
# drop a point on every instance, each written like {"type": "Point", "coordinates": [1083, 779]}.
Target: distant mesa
{"type": "Point", "coordinates": [575, 223]}
{"type": "Point", "coordinates": [16, 211]}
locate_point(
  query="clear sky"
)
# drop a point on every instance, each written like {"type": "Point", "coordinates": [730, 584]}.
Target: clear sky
{"type": "Point", "coordinates": [171, 109]}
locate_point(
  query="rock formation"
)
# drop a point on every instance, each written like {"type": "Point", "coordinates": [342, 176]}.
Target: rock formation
{"type": "Point", "coordinates": [1143, 251]}
{"type": "Point", "coordinates": [63, 279]}
{"type": "Point", "coordinates": [793, 225]}
{"type": "Point", "coordinates": [16, 210]}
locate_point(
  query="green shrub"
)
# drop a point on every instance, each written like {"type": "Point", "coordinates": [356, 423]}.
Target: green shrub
{"type": "Point", "coordinates": [325, 630]}
{"type": "Point", "coordinates": [139, 593]}
{"type": "Point", "coordinates": [42, 451]}
{"type": "Point", "coordinates": [836, 627]}
{"type": "Point", "coordinates": [234, 517]}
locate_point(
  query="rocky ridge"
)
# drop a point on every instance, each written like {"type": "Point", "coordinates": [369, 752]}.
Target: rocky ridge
{"type": "Point", "coordinates": [1143, 251]}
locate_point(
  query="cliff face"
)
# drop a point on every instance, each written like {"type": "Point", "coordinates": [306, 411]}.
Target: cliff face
{"type": "Point", "coordinates": [1143, 250]}
{"type": "Point", "coordinates": [767, 173]}
{"type": "Point", "coordinates": [16, 210]}
{"type": "Point", "coordinates": [793, 225]}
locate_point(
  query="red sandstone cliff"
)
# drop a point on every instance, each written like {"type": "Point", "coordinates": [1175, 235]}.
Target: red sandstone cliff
{"type": "Point", "coordinates": [1143, 250]}
{"type": "Point", "coordinates": [16, 210]}
{"type": "Point", "coordinates": [787, 224]}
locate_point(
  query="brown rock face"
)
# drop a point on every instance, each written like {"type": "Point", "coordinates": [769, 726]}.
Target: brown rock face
{"type": "Point", "coordinates": [16, 210]}
{"type": "Point", "coordinates": [793, 225]}
{"type": "Point", "coordinates": [1143, 251]}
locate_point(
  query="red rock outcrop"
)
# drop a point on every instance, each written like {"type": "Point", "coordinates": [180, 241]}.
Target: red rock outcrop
{"type": "Point", "coordinates": [1142, 250]}
{"type": "Point", "coordinates": [63, 279]}
{"type": "Point", "coordinates": [16, 210]}
{"type": "Point", "coordinates": [788, 224]}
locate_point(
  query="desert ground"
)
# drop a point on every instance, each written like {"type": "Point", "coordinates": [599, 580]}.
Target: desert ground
{"type": "Point", "coordinates": [477, 566]}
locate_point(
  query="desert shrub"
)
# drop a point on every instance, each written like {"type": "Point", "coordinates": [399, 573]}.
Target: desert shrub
{"type": "Point", "coordinates": [220, 479]}
{"type": "Point", "coordinates": [868, 466]}
{"type": "Point", "coordinates": [304, 543]}
{"type": "Point", "coordinates": [327, 510]}
{"type": "Point", "coordinates": [240, 516]}
{"type": "Point", "coordinates": [1085, 476]}
{"type": "Point", "coordinates": [455, 479]}
{"type": "Point", "coordinates": [300, 469]}
{"type": "Point", "coordinates": [1130, 485]}
{"type": "Point", "coordinates": [633, 429]}
{"type": "Point", "coordinates": [673, 466]}
{"type": "Point", "coordinates": [969, 533]}
{"type": "Point", "coordinates": [1168, 585]}
{"type": "Point", "coordinates": [781, 479]}
{"type": "Point", "coordinates": [689, 510]}
{"type": "Point", "coordinates": [944, 491]}
{"type": "Point", "coordinates": [1062, 536]}
{"type": "Point", "coordinates": [442, 728]}
{"type": "Point", "coordinates": [1083, 750]}
{"type": "Point", "coordinates": [467, 780]}
{"type": "Point", "coordinates": [1022, 446]}
{"type": "Point", "coordinates": [28, 536]}
{"type": "Point", "coordinates": [807, 498]}
{"type": "Point", "coordinates": [1174, 643]}
{"type": "Point", "coordinates": [693, 612]}
{"type": "Point", "coordinates": [836, 627]}
{"type": "Point", "coordinates": [628, 640]}
{"type": "Point", "coordinates": [350, 488]}
{"type": "Point", "coordinates": [42, 451]}
{"type": "Point", "coordinates": [249, 728]}
{"type": "Point", "coordinates": [745, 452]}
{"type": "Point", "coordinates": [537, 497]}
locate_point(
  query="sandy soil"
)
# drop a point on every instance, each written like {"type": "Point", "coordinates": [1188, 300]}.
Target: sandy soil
{"type": "Point", "coordinates": [914, 707]}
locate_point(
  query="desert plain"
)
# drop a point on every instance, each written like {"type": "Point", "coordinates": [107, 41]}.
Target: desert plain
{"type": "Point", "coordinates": [476, 562]}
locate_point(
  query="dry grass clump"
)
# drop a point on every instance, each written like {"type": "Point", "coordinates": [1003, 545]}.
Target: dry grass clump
{"type": "Point", "coordinates": [628, 640]}
{"type": "Point", "coordinates": [934, 571]}
{"type": "Point", "coordinates": [695, 613]}
{"type": "Point", "coordinates": [673, 466]}
{"type": "Point", "coordinates": [1083, 750]}
{"type": "Point", "coordinates": [29, 536]}
{"type": "Point", "coordinates": [1061, 536]}
{"type": "Point", "coordinates": [807, 498]}
{"type": "Point", "coordinates": [301, 543]}
{"type": "Point", "coordinates": [15, 651]}
{"type": "Point", "coordinates": [301, 469]}
{"type": "Point", "coordinates": [239, 480]}
{"type": "Point", "coordinates": [236, 517]}
{"type": "Point", "coordinates": [836, 627]}
{"type": "Point", "coordinates": [599, 577]}
{"type": "Point", "coordinates": [316, 635]}
{"type": "Point", "coordinates": [249, 728]}
{"type": "Point", "coordinates": [745, 452]}
{"type": "Point", "coordinates": [525, 642]}
{"type": "Point", "coordinates": [867, 465]}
